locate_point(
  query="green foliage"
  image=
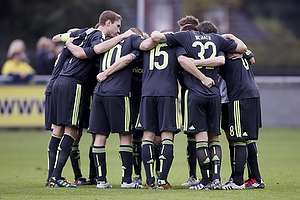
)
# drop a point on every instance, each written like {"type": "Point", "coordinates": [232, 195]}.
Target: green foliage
{"type": "Point", "coordinates": [23, 169]}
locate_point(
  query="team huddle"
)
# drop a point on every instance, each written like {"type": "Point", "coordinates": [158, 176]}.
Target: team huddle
{"type": "Point", "coordinates": [128, 83]}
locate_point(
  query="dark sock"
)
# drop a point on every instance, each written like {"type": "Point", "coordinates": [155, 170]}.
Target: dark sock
{"type": "Point", "coordinates": [240, 150]}
{"type": "Point", "coordinates": [99, 156]}
{"type": "Point", "coordinates": [92, 172]}
{"type": "Point", "coordinates": [75, 161]}
{"type": "Point", "coordinates": [63, 154]}
{"type": "Point", "coordinates": [148, 158]}
{"type": "Point", "coordinates": [126, 156]}
{"type": "Point", "coordinates": [253, 167]}
{"type": "Point", "coordinates": [137, 158]}
{"type": "Point", "coordinates": [191, 156]}
{"type": "Point", "coordinates": [52, 150]}
{"type": "Point", "coordinates": [204, 161]}
{"type": "Point", "coordinates": [231, 152]}
{"type": "Point", "coordinates": [157, 161]}
{"type": "Point", "coordinates": [166, 158]}
{"type": "Point", "coordinates": [215, 152]}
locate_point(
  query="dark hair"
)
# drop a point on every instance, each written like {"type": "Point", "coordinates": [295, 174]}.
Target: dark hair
{"type": "Point", "coordinates": [137, 31]}
{"type": "Point", "coordinates": [108, 15]}
{"type": "Point", "coordinates": [189, 19]}
{"type": "Point", "coordinates": [207, 27]}
{"type": "Point", "coordinates": [189, 27]}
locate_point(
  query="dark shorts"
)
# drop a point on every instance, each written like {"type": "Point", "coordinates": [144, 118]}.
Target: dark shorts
{"type": "Point", "coordinates": [203, 114]}
{"type": "Point", "coordinates": [134, 112]}
{"type": "Point", "coordinates": [109, 115]}
{"type": "Point", "coordinates": [84, 123]}
{"type": "Point", "coordinates": [244, 119]}
{"type": "Point", "coordinates": [66, 102]}
{"type": "Point", "coordinates": [48, 125]}
{"type": "Point", "coordinates": [224, 117]}
{"type": "Point", "coordinates": [159, 114]}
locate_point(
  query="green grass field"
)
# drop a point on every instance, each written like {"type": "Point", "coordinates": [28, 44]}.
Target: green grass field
{"type": "Point", "coordinates": [23, 169]}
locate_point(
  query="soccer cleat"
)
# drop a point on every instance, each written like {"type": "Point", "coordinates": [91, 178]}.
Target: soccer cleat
{"type": "Point", "coordinates": [233, 186]}
{"type": "Point", "coordinates": [82, 181]}
{"type": "Point", "coordinates": [191, 182]}
{"type": "Point", "coordinates": [164, 187]}
{"type": "Point", "coordinates": [216, 185]}
{"type": "Point", "coordinates": [138, 181]}
{"type": "Point", "coordinates": [150, 187]}
{"type": "Point", "coordinates": [254, 184]}
{"type": "Point", "coordinates": [92, 181]}
{"type": "Point", "coordinates": [103, 185]}
{"type": "Point", "coordinates": [132, 185]}
{"type": "Point", "coordinates": [61, 183]}
{"type": "Point", "coordinates": [230, 180]}
{"type": "Point", "coordinates": [200, 186]}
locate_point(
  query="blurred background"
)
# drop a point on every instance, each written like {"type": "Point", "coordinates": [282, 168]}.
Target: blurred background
{"type": "Point", "coordinates": [269, 28]}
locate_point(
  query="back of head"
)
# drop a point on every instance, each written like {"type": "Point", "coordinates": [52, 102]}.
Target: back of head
{"type": "Point", "coordinates": [189, 27]}
{"type": "Point", "coordinates": [17, 46]}
{"type": "Point", "coordinates": [108, 15]}
{"type": "Point", "coordinates": [189, 19]}
{"type": "Point", "coordinates": [137, 31]}
{"type": "Point", "coordinates": [208, 27]}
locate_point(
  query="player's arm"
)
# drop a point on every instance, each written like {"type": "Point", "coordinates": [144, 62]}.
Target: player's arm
{"type": "Point", "coordinates": [118, 65]}
{"type": "Point", "coordinates": [190, 67]}
{"type": "Point", "coordinates": [64, 36]}
{"type": "Point", "coordinates": [158, 37]}
{"type": "Point", "coordinates": [148, 44]}
{"type": "Point", "coordinates": [247, 55]}
{"type": "Point", "coordinates": [241, 46]}
{"type": "Point", "coordinates": [108, 44]}
{"type": "Point", "coordinates": [77, 51]}
{"type": "Point", "coordinates": [210, 62]}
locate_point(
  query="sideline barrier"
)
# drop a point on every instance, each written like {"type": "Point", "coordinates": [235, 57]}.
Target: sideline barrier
{"type": "Point", "coordinates": [22, 105]}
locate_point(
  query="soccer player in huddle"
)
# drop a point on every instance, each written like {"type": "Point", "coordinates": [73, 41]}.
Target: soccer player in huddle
{"type": "Point", "coordinates": [203, 102]}
{"type": "Point", "coordinates": [68, 93]}
{"type": "Point", "coordinates": [243, 116]}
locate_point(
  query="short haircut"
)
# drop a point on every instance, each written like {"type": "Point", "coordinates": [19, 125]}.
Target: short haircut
{"type": "Point", "coordinates": [137, 31]}
{"type": "Point", "coordinates": [108, 15]}
{"type": "Point", "coordinates": [189, 27]}
{"type": "Point", "coordinates": [189, 19]}
{"type": "Point", "coordinates": [207, 27]}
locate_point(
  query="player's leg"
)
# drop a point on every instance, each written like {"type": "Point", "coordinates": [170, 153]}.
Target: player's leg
{"type": "Point", "coordinates": [99, 127]}
{"type": "Point", "coordinates": [92, 169]}
{"type": "Point", "coordinates": [148, 158]}
{"type": "Point", "coordinates": [157, 147]}
{"type": "Point", "coordinates": [52, 149]}
{"type": "Point", "coordinates": [166, 157]}
{"type": "Point", "coordinates": [215, 152]}
{"type": "Point", "coordinates": [99, 155]}
{"type": "Point", "coordinates": [63, 154]}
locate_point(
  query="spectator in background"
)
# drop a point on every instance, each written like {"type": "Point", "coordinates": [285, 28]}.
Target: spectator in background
{"type": "Point", "coordinates": [45, 56]}
{"type": "Point", "coordinates": [17, 66]}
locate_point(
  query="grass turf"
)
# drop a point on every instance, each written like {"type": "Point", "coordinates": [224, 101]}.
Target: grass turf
{"type": "Point", "coordinates": [23, 169]}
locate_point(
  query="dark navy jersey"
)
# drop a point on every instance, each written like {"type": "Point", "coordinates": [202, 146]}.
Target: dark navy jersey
{"type": "Point", "coordinates": [160, 71]}
{"type": "Point", "coordinates": [79, 69]}
{"type": "Point", "coordinates": [200, 46]}
{"type": "Point", "coordinates": [118, 83]}
{"type": "Point", "coordinates": [136, 81]}
{"type": "Point", "coordinates": [64, 57]}
{"type": "Point", "coordinates": [239, 79]}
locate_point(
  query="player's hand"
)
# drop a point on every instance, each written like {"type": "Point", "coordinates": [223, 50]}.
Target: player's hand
{"type": "Point", "coordinates": [208, 82]}
{"type": "Point", "coordinates": [128, 33]}
{"type": "Point", "coordinates": [101, 76]}
{"type": "Point", "coordinates": [234, 56]}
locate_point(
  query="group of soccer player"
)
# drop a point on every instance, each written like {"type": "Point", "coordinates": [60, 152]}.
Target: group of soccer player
{"type": "Point", "coordinates": [131, 82]}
